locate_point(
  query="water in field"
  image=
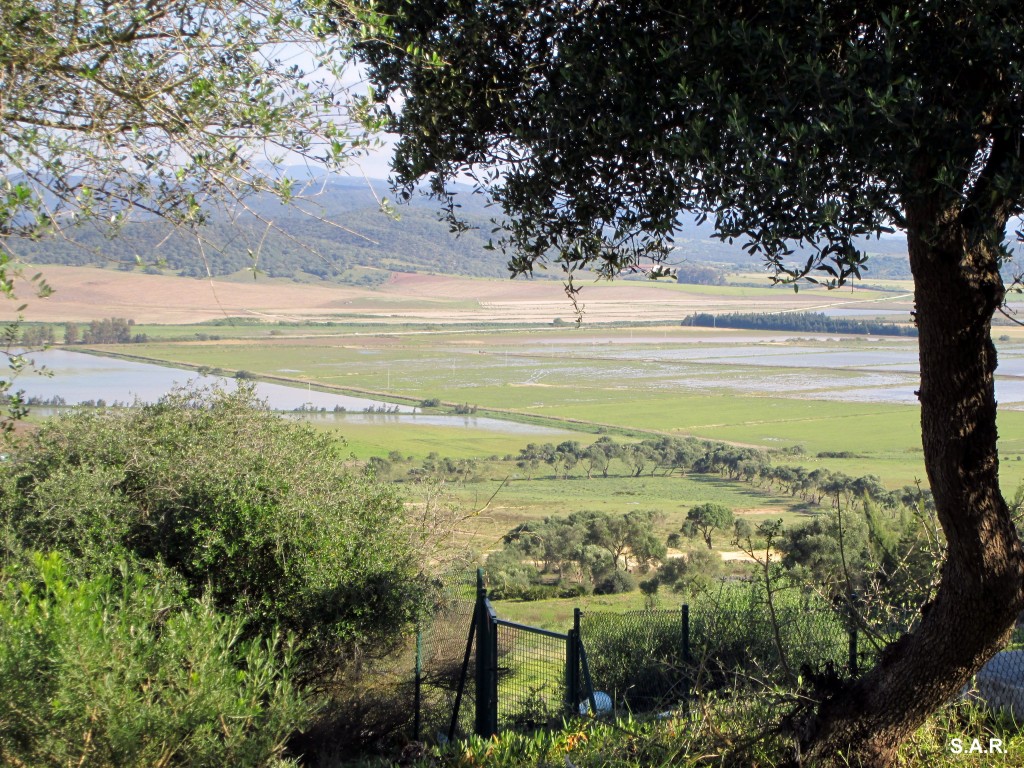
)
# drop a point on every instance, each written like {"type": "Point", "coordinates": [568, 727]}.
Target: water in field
{"type": "Point", "coordinates": [431, 420]}
{"type": "Point", "coordinates": [854, 370]}
{"type": "Point", "coordinates": [80, 378]}
{"type": "Point", "coordinates": [867, 369]}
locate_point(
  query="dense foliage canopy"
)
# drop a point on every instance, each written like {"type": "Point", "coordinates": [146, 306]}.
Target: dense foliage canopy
{"type": "Point", "coordinates": [803, 123]}
{"type": "Point", "coordinates": [228, 498]}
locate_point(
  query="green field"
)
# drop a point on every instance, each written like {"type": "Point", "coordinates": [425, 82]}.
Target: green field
{"type": "Point", "coordinates": [649, 380]}
{"type": "Point", "coordinates": [546, 384]}
{"type": "Point", "coordinates": [520, 500]}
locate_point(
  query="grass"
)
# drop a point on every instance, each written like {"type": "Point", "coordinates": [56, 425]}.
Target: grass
{"type": "Point", "coordinates": [654, 380]}
{"type": "Point", "coordinates": [557, 614]}
{"type": "Point", "coordinates": [496, 500]}
{"type": "Point", "coordinates": [701, 738]}
{"type": "Point", "coordinates": [379, 436]}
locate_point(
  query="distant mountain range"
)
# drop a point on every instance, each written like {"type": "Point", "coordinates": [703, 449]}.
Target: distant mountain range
{"type": "Point", "coordinates": [337, 232]}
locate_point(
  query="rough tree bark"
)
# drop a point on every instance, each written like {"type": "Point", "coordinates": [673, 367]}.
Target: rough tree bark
{"type": "Point", "coordinates": [981, 593]}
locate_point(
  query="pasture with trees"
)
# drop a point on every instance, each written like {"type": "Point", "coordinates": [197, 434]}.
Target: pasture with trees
{"type": "Point", "coordinates": [705, 519]}
{"type": "Point", "coordinates": [200, 582]}
{"type": "Point", "coordinates": [850, 120]}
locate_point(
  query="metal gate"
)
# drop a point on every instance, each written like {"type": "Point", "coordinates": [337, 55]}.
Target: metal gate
{"type": "Point", "coordinates": [525, 677]}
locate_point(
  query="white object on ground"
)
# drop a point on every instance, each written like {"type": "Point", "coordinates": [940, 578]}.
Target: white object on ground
{"type": "Point", "coordinates": [602, 701]}
{"type": "Point", "coordinates": [1000, 683]}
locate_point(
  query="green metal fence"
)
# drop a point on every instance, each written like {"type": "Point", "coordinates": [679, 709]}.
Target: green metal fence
{"type": "Point", "coordinates": [638, 658]}
{"type": "Point", "coordinates": [773, 644]}
{"type": "Point", "coordinates": [531, 677]}
{"type": "Point", "coordinates": [523, 677]}
{"type": "Point", "coordinates": [441, 648]}
{"type": "Point", "coordinates": [477, 672]}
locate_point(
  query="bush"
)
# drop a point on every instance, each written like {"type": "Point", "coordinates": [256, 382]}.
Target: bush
{"type": "Point", "coordinates": [693, 574]}
{"type": "Point", "coordinates": [510, 578]}
{"type": "Point", "coordinates": [125, 672]}
{"type": "Point", "coordinates": [614, 583]}
{"type": "Point", "coordinates": [257, 511]}
{"type": "Point", "coordinates": [635, 656]}
{"type": "Point", "coordinates": [731, 629]}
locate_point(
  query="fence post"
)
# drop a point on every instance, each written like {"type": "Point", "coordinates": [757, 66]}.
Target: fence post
{"type": "Point", "coordinates": [480, 618]}
{"type": "Point", "coordinates": [572, 665]}
{"type": "Point", "coordinates": [686, 633]}
{"type": "Point", "coordinates": [492, 669]}
{"type": "Point", "coordinates": [853, 651]}
{"type": "Point", "coordinates": [486, 663]}
{"type": "Point", "coordinates": [419, 683]}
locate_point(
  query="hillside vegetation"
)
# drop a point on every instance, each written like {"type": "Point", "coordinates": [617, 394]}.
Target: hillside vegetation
{"type": "Point", "coordinates": [336, 231]}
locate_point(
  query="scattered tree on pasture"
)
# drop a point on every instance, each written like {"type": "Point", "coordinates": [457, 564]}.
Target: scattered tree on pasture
{"type": "Point", "coordinates": [707, 518]}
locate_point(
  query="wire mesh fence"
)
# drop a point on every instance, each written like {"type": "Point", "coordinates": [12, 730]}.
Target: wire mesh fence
{"type": "Point", "coordinates": [776, 641]}
{"type": "Point", "coordinates": [735, 656]}
{"type": "Point", "coordinates": [442, 642]}
{"type": "Point", "coordinates": [637, 658]}
{"type": "Point", "coordinates": [714, 652]}
{"type": "Point", "coordinates": [531, 676]}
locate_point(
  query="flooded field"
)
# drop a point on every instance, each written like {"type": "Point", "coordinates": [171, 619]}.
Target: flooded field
{"type": "Point", "coordinates": [853, 370]}
{"type": "Point", "coordinates": [80, 378]}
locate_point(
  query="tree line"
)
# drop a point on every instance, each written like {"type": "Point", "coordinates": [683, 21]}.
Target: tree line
{"type": "Point", "coordinates": [804, 322]}
{"type": "Point", "coordinates": [664, 457]}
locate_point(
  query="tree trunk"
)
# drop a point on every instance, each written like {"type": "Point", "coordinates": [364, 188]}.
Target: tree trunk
{"type": "Point", "coordinates": [957, 290]}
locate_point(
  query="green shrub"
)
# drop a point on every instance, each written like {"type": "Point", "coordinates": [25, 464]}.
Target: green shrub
{"type": "Point", "coordinates": [615, 582]}
{"type": "Point", "coordinates": [635, 656]}
{"type": "Point", "coordinates": [511, 578]}
{"type": "Point", "coordinates": [731, 629]}
{"type": "Point", "coordinates": [258, 512]}
{"type": "Point", "coordinates": [128, 672]}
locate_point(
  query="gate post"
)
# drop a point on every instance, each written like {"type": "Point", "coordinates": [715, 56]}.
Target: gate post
{"type": "Point", "coordinates": [572, 665]}
{"type": "Point", "coordinates": [486, 663]}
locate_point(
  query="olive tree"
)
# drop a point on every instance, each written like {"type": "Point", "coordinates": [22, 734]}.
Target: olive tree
{"type": "Point", "coordinates": [115, 106]}
{"type": "Point", "coordinates": [799, 127]}
{"type": "Point", "coordinates": [705, 519]}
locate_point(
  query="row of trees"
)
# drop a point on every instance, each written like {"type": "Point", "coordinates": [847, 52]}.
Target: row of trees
{"type": "Point", "coordinates": [803, 322]}
{"type": "Point", "coordinates": [665, 456]}
{"type": "Point", "coordinates": [112, 330]}
{"type": "Point", "coordinates": [661, 455]}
